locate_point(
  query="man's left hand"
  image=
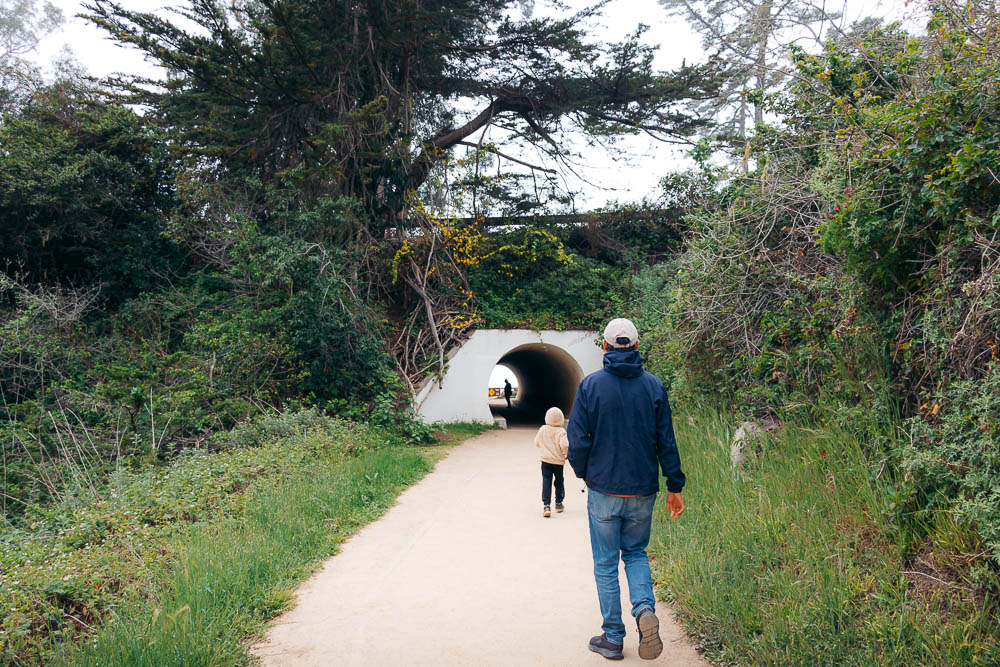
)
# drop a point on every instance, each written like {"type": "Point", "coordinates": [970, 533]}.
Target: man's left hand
{"type": "Point", "coordinates": [675, 505]}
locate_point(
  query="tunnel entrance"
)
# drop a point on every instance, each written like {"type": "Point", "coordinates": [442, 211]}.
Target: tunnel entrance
{"type": "Point", "coordinates": [547, 364]}
{"type": "Point", "coordinates": [547, 376]}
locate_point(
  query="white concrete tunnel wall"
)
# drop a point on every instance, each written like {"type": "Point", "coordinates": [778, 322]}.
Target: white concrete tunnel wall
{"type": "Point", "coordinates": [549, 365]}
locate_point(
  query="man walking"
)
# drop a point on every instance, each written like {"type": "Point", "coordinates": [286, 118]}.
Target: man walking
{"type": "Point", "coordinates": [507, 391]}
{"type": "Point", "coordinates": [620, 431]}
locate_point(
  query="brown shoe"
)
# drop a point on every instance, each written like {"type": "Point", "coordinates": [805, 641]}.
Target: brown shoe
{"type": "Point", "coordinates": [650, 645]}
{"type": "Point", "coordinates": [546, 511]}
{"type": "Point", "coordinates": [559, 507]}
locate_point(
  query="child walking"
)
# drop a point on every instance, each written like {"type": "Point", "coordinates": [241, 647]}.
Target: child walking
{"type": "Point", "coordinates": [552, 441]}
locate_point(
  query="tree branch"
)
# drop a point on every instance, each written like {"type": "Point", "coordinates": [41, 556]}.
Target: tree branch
{"type": "Point", "coordinates": [512, 159]}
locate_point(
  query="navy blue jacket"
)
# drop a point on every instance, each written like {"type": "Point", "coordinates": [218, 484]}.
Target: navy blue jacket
{"type": "Point", "coordinates": [620, 428]}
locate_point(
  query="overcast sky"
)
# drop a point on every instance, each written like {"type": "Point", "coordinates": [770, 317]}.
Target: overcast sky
{"type": "Point", "coordinates": [606, 179]}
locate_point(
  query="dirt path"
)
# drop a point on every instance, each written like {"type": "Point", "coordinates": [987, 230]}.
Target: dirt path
{"type": "Point", "coordinates": [464, 570]}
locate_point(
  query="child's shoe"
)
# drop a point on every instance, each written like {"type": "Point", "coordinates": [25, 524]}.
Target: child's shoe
{"type": "Point", "coordinates": [559, 507]}
{"type": "Point", "coordinates": [546, 511]}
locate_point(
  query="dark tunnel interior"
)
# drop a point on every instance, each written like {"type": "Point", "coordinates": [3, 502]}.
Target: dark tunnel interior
{"type": "Point", "coordinates": [547, 376]}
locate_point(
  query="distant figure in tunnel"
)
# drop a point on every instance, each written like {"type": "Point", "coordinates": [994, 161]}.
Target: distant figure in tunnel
{"type": "Point", "coordinates": [619, 430]}
{"type": "Point", "coordinates": [507, 391]}
{"type": "Point", "coordinates": [552, 441]}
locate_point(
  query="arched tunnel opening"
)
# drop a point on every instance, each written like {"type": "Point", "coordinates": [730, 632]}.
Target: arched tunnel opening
{"type": "Point", "coordinates": [547, 376]}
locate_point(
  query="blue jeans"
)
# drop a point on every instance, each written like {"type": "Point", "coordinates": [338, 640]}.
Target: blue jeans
{"type": "Point", "coordinates": [620, 526]}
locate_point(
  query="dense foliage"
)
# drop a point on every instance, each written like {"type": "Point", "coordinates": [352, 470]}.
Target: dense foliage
{"type": "Point", "coordinates": [285, 223]}
{"type": "Point", "coordinates": [85, 189]}
{"type": "Point", "coordinates": [73, 562]}
{"type": "Point", "coordinates": [850, 275]}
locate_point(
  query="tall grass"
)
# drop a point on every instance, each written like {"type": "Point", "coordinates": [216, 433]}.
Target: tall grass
{"type": "Point", "coordinates": [233, 576]}
{"type": "Point", "coordinates": [790, 561]}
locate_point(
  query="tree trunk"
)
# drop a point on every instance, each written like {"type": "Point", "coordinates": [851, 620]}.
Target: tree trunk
{"type": "Point", "coordinates": [433, 149]}
{"type": "Point", "coordinates": [764, 34]}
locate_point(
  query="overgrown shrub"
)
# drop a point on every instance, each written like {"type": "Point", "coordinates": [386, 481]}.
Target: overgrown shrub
{"type": "Point", "coordinates": [85, 189]}
{"type": "Point", "coordinates": [852, 271]}
{"type": "Point", "coordinates": [71, 563]}
{"type": "Point", "coordinates": [528, 278]}
{"type": "Point", "coordinates": [952, 456]}
{"type": "Point", "coordinates": [863, 232]}
{"type": "Point", "coordinates": [274, 321]}
{"type": "Point", "coordinates": [919, 215]}
{"type": "Point", "coordinates": [755, 312]}
{"type": "Point", "coordinates": [301, 290]}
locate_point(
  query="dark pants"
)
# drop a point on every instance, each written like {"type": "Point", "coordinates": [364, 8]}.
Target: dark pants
{"type": "Point", "coordinates": [508, 400]}
{"type": "Point", "coordinates": [550, 471]}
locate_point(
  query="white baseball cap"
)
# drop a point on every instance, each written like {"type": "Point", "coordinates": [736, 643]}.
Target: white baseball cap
{"type": "Point", "coordinates": [621, 332]}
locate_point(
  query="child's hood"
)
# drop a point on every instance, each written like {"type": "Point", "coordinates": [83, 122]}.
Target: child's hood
{"type": "Point", "coordinates": [554, 417]}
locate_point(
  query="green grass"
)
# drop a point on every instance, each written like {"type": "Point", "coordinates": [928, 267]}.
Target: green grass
{"type": "Point", "coordinates": [232, 577]}
{"type": "Point", "coordinates": [791, 562]}
{"type": "Point", "coordinates": [188, 558]}
{"type": "Point", "coordinates": [454, 434]}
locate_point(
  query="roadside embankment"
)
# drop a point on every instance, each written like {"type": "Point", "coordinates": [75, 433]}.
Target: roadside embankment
{"type": "Point", "coordinates": [181, 563]}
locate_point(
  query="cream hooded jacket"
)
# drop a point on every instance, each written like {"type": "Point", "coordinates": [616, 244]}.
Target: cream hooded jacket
{"type": "Point", "coordinates": [551, 439]}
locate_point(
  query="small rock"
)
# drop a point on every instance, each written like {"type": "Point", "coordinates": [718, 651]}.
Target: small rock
{"type": "Point", "coordinates": [736, 456]}
{"type": "Point", "coordinates": [746, 432]}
